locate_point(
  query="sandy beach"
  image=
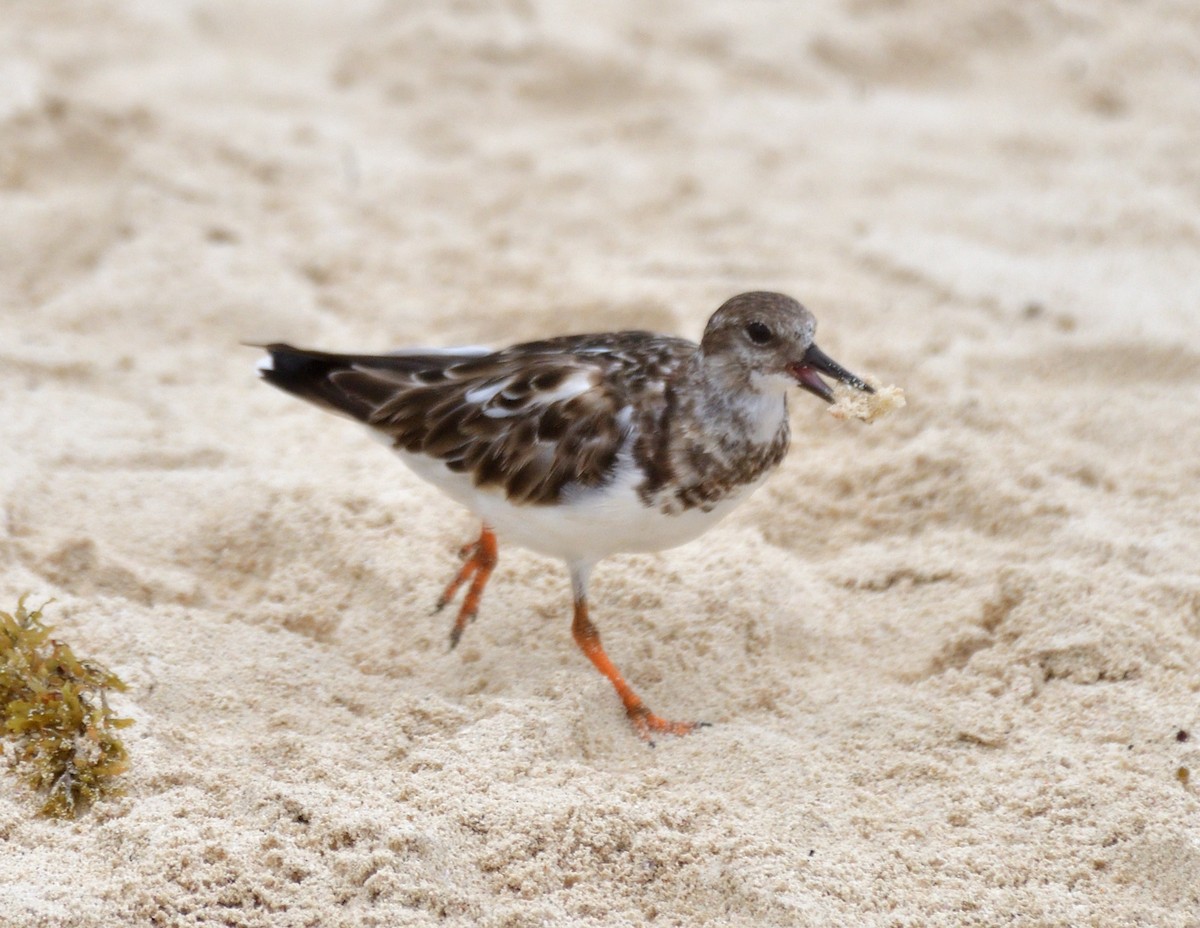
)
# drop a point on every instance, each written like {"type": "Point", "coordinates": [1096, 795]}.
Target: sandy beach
{"type": "Point", "coordinates": [951, 658]}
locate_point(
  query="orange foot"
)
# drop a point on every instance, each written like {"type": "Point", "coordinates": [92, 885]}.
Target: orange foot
{"type": "Point", "coordinates": [647, 724]}
{"type": "Point", "coordinates": [479, 560]}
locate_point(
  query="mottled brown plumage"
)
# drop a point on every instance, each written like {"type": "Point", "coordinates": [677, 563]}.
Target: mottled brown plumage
{"type": "Point", "coordinates": [531, 420]}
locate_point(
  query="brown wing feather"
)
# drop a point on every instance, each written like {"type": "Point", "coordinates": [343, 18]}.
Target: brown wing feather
{"type": "Point", "coordinates": [519, 438]}
{"type": "Point", "coordinates": [533, 419]}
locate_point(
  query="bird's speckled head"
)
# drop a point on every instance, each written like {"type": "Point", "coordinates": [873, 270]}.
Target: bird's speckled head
{"type": "Point", "coordinates": [765, 340]}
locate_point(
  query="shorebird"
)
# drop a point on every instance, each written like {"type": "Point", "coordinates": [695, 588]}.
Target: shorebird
{"type": "Point", "coordinates": [583, 446]}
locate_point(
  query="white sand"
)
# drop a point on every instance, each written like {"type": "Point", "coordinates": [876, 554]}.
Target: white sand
{"type": "Point", "coordinates": [946, 657]}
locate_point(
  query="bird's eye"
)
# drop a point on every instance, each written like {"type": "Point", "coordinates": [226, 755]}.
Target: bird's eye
{"type": "Point", "coordinates": [758, 333]}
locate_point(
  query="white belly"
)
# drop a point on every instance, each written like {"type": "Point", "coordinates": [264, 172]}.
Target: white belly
{"type": "Point", "coordinates": [583, 529]}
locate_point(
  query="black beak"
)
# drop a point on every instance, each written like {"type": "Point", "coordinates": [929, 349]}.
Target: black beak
{"type": "Point", "coordinates": [816, 361]}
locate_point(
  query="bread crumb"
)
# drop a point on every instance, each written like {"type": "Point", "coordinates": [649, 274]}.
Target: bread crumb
{"type": "Point", "coordinates": [858, 404]}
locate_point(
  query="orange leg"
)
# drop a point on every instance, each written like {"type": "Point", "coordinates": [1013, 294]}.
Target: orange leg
{"type": "Point", "coordinates": [645, 722]}
{"type": "Point", "coordinates": [479, 560]}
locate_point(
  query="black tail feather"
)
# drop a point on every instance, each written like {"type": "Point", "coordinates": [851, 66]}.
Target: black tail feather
{"type": "Point", "coordinates": [357, 385]}
{"type": "Point", "coordinates": [310, 375]}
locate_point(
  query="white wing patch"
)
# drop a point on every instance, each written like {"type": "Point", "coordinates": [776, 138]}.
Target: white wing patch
{"type": "Point", "coordinates": [578, 383]}
{"type": "Point", "coordinates": [485, 394]}
{"type": "Point", "coordinates": [573, 386]}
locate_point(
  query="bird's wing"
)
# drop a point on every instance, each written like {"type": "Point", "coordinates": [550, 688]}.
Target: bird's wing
{"type": "Point", "coordinates": [531, 420]}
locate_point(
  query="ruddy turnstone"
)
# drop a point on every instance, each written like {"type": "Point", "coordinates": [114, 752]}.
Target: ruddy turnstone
{"type": "Point", "coordinates": [585, 445]}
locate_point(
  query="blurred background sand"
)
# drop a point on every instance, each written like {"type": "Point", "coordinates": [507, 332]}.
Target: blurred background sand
{"type": "Point", "coordinates": [948, 656]}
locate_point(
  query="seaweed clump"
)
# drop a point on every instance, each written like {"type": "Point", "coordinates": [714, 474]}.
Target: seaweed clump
{"type": "Point", "coordinates": [55, 708]}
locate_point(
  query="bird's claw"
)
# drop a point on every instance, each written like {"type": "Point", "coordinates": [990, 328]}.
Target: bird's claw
{"type": "Point", "coordinates": [647, 725]}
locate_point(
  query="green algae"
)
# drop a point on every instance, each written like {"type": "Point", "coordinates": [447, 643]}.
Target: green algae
{"type": "Point", "coordinates": [54, 710]}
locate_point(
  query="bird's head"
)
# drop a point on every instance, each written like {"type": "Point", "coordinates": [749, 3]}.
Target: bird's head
{"type": "Point", "coordinates": [767, 338]}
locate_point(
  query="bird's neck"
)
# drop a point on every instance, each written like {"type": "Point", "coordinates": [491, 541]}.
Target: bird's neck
{"type": "Point", "coordinates": [715, 440]}
{"type": "Point", "coordinates": [742, 403]}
